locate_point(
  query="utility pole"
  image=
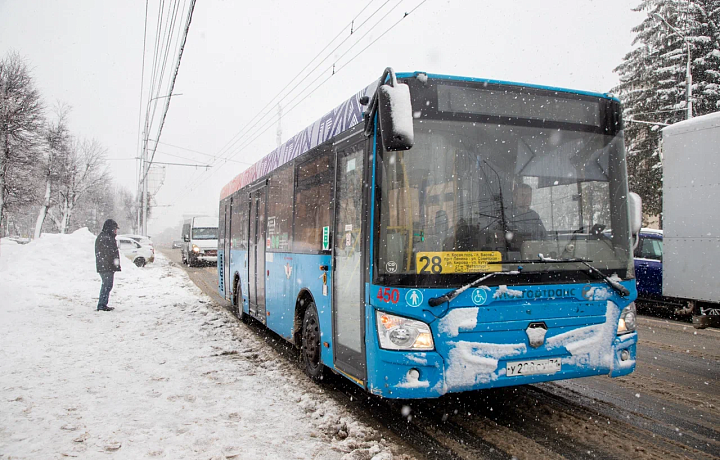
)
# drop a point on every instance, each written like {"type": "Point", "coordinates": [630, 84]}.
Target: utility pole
{"type": "Point", "coordinates": [145, 166]}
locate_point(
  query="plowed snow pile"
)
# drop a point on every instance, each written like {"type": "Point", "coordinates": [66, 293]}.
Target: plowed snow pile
{"type": "Point", "coordinates": [165, 375]}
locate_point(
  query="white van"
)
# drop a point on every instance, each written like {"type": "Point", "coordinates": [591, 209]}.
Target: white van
{"type": "Point", "coordinates": [200, 240]}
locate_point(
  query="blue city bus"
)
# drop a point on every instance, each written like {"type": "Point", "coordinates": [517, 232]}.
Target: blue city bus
{"type": "Point", "coordinates": [437, 234]}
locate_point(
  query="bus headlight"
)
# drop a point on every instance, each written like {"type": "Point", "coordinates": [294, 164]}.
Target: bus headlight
{"type": "Point", "coordinates": [628, 320]}
{"type": "Point", "coordinates": [398, 333]}
{"type": "Point", "coordinates": [196, 249]}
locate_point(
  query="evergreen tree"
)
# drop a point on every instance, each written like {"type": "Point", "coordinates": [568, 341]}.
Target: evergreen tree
{"type": "Point", "coordinates": [653, 82]}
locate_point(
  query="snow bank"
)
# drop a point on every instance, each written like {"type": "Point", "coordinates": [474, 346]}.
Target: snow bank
{"type": "Point", "coordinates": [165, 375]}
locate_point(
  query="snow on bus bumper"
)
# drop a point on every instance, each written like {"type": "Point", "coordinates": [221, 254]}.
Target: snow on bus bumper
{"type": "Point", "coordinates": [407, 374]}
{"type": "Point", "coordinates": [500, 355]}
{"type": "Point", "coordinates": [474, 366]}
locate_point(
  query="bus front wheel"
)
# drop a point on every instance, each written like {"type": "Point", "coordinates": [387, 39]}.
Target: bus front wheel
{"type": "Point", "coordinates": [310, 349]}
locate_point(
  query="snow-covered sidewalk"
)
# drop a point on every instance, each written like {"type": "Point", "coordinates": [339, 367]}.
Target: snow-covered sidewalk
{"type": "Point", "coordinates": [165, 375]}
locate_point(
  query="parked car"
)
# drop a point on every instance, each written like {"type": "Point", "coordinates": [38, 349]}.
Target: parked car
{"type": "Point", "coordinates": [140, 254]}
{"type": "Point", "coordinates": [648, 264]}
{"type": "Point", "coordinates": [177, 244]}
{"type": "Point", "coordinates": [144, 240]}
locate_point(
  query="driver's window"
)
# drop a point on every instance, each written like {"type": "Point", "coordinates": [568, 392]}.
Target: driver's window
{"type": "Point", "coordinates": [651, 249]}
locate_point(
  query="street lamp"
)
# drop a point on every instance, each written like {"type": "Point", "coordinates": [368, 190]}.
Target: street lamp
{"type": "Point", "coordinates": [144, 169]}
{"type": "Point", "coordinates": [688, 74]}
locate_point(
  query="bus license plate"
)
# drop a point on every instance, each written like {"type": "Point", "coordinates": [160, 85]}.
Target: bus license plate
{"type": "Point", "coordinates": [536, 366]}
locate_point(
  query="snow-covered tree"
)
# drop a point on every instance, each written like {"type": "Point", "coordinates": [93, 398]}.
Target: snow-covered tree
{"type": "Point", "coordinates": [83, 171]}
{"type": "Point", "coordinates": [58, 142]}
{"type": "Point", "coordinates": [653, 82]}
{"type": "Point", "coordinates": [21, 123]}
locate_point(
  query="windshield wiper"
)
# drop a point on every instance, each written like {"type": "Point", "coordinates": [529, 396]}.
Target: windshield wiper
{"type": "Point", "coordinates": [619, 288]}
{"type": "Point", "coordinates": [435, 301]}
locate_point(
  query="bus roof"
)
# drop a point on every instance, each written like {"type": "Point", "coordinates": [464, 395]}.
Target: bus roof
{"type": "Point", "coordinates": [509, 83]}
{"type": "Point", "coordinates": [342, 118]}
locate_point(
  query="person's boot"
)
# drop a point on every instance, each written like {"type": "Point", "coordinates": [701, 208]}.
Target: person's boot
{"type": "Point", "coordinates": [105, 308]}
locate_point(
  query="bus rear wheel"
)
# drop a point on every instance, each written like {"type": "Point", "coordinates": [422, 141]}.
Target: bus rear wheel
{"type": "Point", "coordinates": [310, 350]}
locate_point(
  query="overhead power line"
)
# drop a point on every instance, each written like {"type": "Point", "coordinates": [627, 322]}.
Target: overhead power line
{"type": "Point", "coordinates": [273, 101]}
{"type": "Point", "coordinates": [251, 136]}
{"type": "Point", "coordinates": [264, 127]}
{"type": "Point", "coordinates": [172, 84]}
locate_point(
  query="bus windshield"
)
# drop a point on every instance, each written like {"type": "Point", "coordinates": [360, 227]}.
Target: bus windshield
{"type": "Point", "coordinates": [469, 195]}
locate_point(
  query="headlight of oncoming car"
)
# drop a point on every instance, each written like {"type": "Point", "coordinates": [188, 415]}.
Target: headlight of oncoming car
{"type": "Point", "coordinates": [628, 320]}
{"type": "Point", "coordinates": [196, 249]}
{"type": "Point", "coordinates": [398, 333]}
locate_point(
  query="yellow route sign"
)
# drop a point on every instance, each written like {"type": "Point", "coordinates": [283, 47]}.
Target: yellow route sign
{"type": "Point", "coordinates": [457, 262]}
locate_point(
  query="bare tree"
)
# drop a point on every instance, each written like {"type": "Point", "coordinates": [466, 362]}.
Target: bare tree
{"type": "Point", "coordinates": [127, 207]}
{"type": "Point", "coordinates": [83, 170]}
{"type": "Point", "coordinates": [21, 122]}
{"type": "Point", "coordinates": [94, 207]}
{"type": "Point", "coordinates": [58, 142]}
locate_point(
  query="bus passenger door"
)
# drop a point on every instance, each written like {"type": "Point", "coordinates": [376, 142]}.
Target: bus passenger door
{"type": "Point", "coordinates": [347, 279]}
{"type": "Point", "coordinates": [256, 255]}
{"type": "Point", "coordinates": [226, 250]}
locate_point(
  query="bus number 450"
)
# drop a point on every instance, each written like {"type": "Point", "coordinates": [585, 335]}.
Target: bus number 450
{"type": "Point", "coordinates": [388, 295]}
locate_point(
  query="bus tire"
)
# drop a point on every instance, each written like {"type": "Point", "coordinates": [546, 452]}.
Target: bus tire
{"type": "Point", "coordinates": [310, 350]}
{"type": "Point", "coordinates": [237, 309]}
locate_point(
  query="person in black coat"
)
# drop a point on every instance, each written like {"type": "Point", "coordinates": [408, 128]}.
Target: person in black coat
{"type": "Point", "coordinates": [107, 261]}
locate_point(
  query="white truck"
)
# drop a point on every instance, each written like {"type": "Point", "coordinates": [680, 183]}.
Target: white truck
{"type": "Point", "coordinates": [691, 216]}
{"type": "Point", "coordinates": [200, 240]}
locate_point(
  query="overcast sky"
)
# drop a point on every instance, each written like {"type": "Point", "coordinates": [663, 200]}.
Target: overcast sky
{"type": "Point", "coordinates": [240, 54]}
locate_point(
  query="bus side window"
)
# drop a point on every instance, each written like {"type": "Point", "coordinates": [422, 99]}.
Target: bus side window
{"type": "Point", "coordinates": [280, 209]}
{"type": "Point", "coordinates": [313, 200]}
{"type": "Point", "coordinates": [238, 222]}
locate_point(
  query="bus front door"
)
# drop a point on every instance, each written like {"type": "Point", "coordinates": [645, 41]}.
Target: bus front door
{"type": "Point", "coordinates": [347, 279]}
{"type": "Point", "coordinates": [256, 255]}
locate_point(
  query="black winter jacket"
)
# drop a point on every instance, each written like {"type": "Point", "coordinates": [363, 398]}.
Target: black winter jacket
{"type": "Point", "coordinates": [107, 256]}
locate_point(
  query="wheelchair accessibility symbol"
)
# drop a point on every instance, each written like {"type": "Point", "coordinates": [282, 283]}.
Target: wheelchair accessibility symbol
{"type": "Point", "coordinates": [479, 296]}
{"type": "Point", "coordinates": [414, 298]}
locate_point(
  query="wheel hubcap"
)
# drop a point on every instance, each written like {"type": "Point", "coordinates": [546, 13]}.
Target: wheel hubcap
{"type": "Point", "coordinates": [312, 351]}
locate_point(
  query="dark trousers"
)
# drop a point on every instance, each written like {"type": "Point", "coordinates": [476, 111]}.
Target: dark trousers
{"type": "Point", "coordinates": [107, 285]}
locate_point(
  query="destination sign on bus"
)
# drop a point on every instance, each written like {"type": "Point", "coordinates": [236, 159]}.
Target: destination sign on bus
{"type": "Point", "coordinates": [457, 262]}
{"type": "Point", "coordinates": [517, 104]}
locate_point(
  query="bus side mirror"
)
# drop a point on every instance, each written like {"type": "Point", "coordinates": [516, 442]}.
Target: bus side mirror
{"type": "Point", "coordinates": [396, 119]}
{"type": "Point", "coordinates": [635, 205]}
{"type": "Point", "coordinates": [186, 238]}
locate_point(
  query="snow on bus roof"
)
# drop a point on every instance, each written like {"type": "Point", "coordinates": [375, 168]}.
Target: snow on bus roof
{"type": "Point", "coordinates": [340, 119]}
